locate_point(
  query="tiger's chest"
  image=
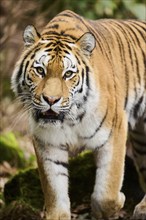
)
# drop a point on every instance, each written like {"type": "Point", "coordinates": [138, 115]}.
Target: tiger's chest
{"type": "Point", "coordinates": [74, 137]}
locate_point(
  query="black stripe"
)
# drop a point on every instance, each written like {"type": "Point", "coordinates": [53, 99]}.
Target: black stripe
{"type": "Point", "coordinates": [98, 147]}
{"type": "Point", "coordinates": [136, 59]}
{"type": "Point", "coordinates": [144, 63]}
{"type": "Point", "coordinates": [21, 66]}
{"type": "Point", "coordinates": [68, 47]}
{"type": "Point", "coordinates": [98, 128]}
{"type": "Point", "coordinates": [19, 72]}
{"type": "Point", "coordinates": [19, 89]}
{"type": "Point", "coordinates": [128, 25]}
{"type": "Point", "coordinates": [108, 44]}
{"type": "Point", "coordinates": [141, 24]}
{"type": "Point", "coordinates": [67, 52]}
{"type": "Point", "coordinates": [87, 83]}
{"type": "Point", "coordinates": [87, 77]}
{"type": "Point", "coordinates": [76, 56]}
{"type": "Point", "coordinates": [54, 33]}
{"type": "Point", "coordinates": [51, 33]}
{"type": "Point", "coordinates": [103, 49]}
{"type": "Point", "coordinates": [122, 51]}
{"type": "Point", "coordinates": [63, 147]}
{"type": "Point", "coordinates": [33, 55]}
{"type": "Point", "coordinates": [134, 42]}
{"type": "Point", "coordinates": [56, 21]}
{"type": "Point", "coordinates": [65, 165]}
{"type": "Point", "coordinates": [81, 89]}
{"type": "Point", "coordinates": [55, 26]}
{"type": "Point", "coordinates": [92, 30]}
{"type": "Point", "coordinates": [99, 41]}
{"type": "Point", "coordinates": [61, 163]}
{"type": "Point", "coordinates": [110, 133]}
{"type": "Point", "coordinates": [71, 36]}
{"type": "Point", "coordinates": [66, 15]}
{"type": "Point", "coordinates": [137, 107]}
{"type": "Point", "coordinates": [137, 66]}
{"type": "Point", "coordinates": [48, 50]}
{"type": "Point", "coordinates": [81, 116]}
{"type": "Point", "coordinates": [49, 44]}
{"type": "Point", "coordinates": [63, 174]}
{"type": "Point", "coordinates": [26, 65]}
{"type": "Point", "coordinates": [140, 31]}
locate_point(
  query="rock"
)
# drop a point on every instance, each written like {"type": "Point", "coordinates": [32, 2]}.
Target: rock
{"type": "Point", "coordinates": [25, 187]}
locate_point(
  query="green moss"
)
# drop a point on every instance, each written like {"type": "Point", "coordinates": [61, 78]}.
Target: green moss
{"type": "Point", "coordinates": [25, 187]}
{"type": "Point", "coordinates": [82, 177]}
{"type": "Point", "coordinates": [10, 151]}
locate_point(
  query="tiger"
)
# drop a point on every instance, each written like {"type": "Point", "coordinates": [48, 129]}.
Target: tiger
{"type": "Point", "coordinates": [83, 84]}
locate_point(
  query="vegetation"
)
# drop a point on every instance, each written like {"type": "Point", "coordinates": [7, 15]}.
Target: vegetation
{"type": "Point", "coordinates": [10, 151]}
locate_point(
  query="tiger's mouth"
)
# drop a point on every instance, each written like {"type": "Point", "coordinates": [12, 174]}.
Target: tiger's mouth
{"type": "Point", "coordinates": [49, 116]}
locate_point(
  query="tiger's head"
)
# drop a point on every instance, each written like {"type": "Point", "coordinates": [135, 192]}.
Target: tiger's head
{"type": "Point", "coordinates": [52, 77]}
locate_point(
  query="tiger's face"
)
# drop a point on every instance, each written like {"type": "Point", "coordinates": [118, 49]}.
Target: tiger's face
{"type": "Point", "coordinates": [53, 79]}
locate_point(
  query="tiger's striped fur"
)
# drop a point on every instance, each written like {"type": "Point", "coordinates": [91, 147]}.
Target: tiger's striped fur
{"type": "Point", "coordinates": [84, 83]}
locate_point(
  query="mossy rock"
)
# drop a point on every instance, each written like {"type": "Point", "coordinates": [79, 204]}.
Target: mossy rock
{"type": "Point", "coordinates": [10, 151]}
{"type": "Point", "coordinates": [82, 177]}
{"type": "Point", "coordinates": [25, 187]}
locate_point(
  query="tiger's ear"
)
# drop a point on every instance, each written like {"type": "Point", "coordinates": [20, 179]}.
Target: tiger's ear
{"type": "Point", "coordinates": [87, 43]}
{"type": "Point", "coordinates": [30, 35]}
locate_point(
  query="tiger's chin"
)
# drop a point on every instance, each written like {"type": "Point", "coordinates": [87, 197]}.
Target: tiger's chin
{"type": "Point", "coordinates": [48, 116]}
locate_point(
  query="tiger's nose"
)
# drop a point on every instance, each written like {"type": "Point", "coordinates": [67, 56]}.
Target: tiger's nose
{"type": "Point", "coordinates": [51, 99]}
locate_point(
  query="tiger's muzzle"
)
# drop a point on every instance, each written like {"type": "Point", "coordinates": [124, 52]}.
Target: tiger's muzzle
{"type": "Point", "coordinates": [51, 114]}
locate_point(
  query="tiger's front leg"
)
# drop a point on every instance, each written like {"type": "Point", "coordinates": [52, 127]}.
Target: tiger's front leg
{"type": "Point", "coordinates": [52, 164]}
{"type": "Point", "coordinates": [107, 199]}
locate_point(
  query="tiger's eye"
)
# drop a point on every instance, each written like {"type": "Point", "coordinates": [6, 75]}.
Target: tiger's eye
{"type": "Point", "coordinates": [40, 70]}
{"type": "Point", "coordinates": [68, 74]}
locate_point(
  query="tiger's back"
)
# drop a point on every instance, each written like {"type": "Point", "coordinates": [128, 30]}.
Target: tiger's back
{"type": "Point", "coordinates": [120, 45]}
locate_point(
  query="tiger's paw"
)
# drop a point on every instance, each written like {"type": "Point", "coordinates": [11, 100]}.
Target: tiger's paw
{"type": "Point", "coordinates": [106, 207]}
{"type": "Point", "coordinates": [58, 216]}
{"type": "Point", "coordinates": [140, 210]}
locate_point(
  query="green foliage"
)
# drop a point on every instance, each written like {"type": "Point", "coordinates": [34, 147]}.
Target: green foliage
{"type": "Point", "coordinates": [97, 9]}
{"type": "Point", "coordinates": [137, 8]}
{"type": "Point", "coordinates": [10, 151]}
{"type": "Point", "coordinates": [25, 187]}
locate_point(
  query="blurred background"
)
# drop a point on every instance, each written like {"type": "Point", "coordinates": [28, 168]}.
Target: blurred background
{"type": "Point", "coordinates": [15, 15]}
